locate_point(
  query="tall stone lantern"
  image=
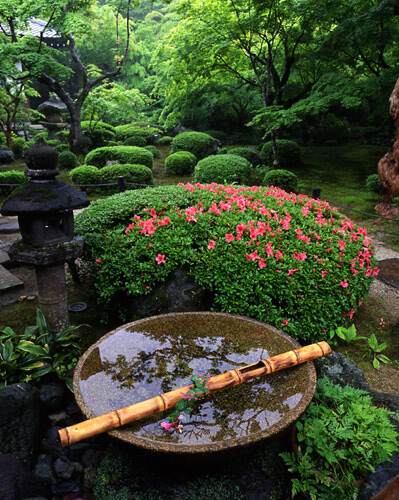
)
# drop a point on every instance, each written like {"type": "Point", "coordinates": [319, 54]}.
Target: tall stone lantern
{"type": "Point", "coordinates": [44, 207]}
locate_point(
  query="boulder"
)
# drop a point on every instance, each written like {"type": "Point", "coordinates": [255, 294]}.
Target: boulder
{"type": "Point", "coordinates": [19, 420]}
{"type": "Point", "coordinates": [179, 294]}
{"type": "Point", "coordinates": [383, 476]}
{"type": "Point", "coordinates": [52, 395]}
{"type": "Point", "coordinates": [6, 156]}
{"type": "Point", "coordinates": [16, 481]}
{"type": "Point", "coordinates": [340, 370]}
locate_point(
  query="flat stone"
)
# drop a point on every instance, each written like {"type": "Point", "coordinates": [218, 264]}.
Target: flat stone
{"type": "Point", "coordinates": [8, 281]}
{"type": "Point", "coordinates": [389, 272]}
{"type": "Point", "coordinates": [8, 225]}
{"type": "Point", "coordinates": [3, 256]}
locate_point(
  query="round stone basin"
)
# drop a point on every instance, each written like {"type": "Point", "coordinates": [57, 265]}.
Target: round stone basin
{"type": "Point", "coordinates": [155, 355]}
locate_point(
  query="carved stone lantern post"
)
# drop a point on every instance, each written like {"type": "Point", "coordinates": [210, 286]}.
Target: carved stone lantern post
{"type": "Point", "coordinates": [45, 214]}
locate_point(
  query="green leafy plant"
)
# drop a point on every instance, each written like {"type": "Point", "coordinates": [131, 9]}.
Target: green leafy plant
{"type": "Point", "coordinates": [289, 154]}
{"type": "Point", "coordinates": [197, 143]}
{"type": "Point", "coordinates": [346, 334]}
{"type": "Point", "coordinates": [341, 438]}
{"type": "Point", "coordinates": [373, 184]}
{"type": "Point", "coordinates": [37, 352]}
{"type": "Point", "coordinates": [186, 404]}
{"type": "Point", "coordinates": [223, 169]}
{"type": "Point", "coordinates": [67, 160]}
{"type": "Point", "coordinates": [180, 163]}
{"type": "Point", "coordinates": [133, 155]}
{"type": "Point", "coordinates": [375, 349]}
{"type": "Point", "coordinates": [281, 178]}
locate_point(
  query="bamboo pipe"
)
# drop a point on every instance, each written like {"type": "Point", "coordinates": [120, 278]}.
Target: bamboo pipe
{"type": "Point", "coordinates": [117, 418]}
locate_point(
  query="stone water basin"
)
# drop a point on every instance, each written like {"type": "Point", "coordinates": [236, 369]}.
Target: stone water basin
{"type": "Point", "coordinates": [154, 355]}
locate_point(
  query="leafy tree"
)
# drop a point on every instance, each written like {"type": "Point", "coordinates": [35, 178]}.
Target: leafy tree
{"type": "Point", "coordinates": [71, 19]}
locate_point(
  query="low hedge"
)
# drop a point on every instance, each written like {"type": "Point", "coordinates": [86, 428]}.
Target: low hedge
{"type": "Point", "coordinates": [138, 174]}
{"type": "Point", "coordinates": [11, 177]}
{"type": "Point", "coordinates": [223, 169]}
{"type": "Point", "coordinates": [197, 143]}
{"type": "Point", "coordinates": [166, 140]}
{"type": "Point", "coordinates": [180, 163]}
{"type": "Point", "coordinates": [98, 133]}
{"type": "Point", "coordinates": [86, 174]}
{"type": "Point", "coordinates": [249, 154]}
{"type": "Point", "coordinates": [123, 154]}
{"type": "Point", "coordinates": [153, 150]}
{"type": "Point", "coordinates": [259, 252]}
{"type": "Point", "coordinates": [67, 160]}
{"type": "Point", "coordinates": [373, 184]}
{"type": "Point", "coordinates": [289, 154]}
{"type": "Point", "coordinates": [135, 140]}
{"type": "Point", "coordinates": [149, 133]}
{"type": "Point", "coordinates": [18, 147]}
{"type": "Point", "coordinates": [283, 179]}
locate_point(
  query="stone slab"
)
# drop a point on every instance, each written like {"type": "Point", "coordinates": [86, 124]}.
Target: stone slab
{"type": "Point", "coordinates": [3, 256]}
{"type": "Point", "coordinates": [9, 225]}
{"type": "Point", "coordinates": [8, 281]}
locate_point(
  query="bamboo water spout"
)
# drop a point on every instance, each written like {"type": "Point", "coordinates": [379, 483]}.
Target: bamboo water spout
{"type": "Point", "coordinates": [162, 402]}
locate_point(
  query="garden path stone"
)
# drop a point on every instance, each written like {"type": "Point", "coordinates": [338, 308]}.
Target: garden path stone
{"type": "Point", "coordinates": [8, 225]}
{"type": "Point", "coordinates": [9, 282]}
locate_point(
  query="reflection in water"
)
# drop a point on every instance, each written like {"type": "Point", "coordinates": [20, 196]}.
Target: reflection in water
{"type": "Point", "coordinates": [131, 366]}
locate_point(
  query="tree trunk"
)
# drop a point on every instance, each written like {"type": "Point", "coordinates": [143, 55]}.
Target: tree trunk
{"type": "Point", "coordinates": [75, 134]}
{"type": "Point", "coordinates": [388, 166]}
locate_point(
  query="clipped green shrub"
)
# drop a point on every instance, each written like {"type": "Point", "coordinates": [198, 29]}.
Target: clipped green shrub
{"type": "Point", "coordinates": [166, 140]}
{"type": "Point", "coordinates": [251, 248]}
{"type": "Point", "coordinates": [137, 174]}
{"type": "Point", "coordinates": [154, 151]}
{"type": "Point", "coordinates": [223, 169]}
{"type": "Point", "coordinates": [289, 154]}
{"type": "Point", "coordinates": [222, 151]}
{"type": "Point", "coordinates": [18, 147]}
{"type": "Point", "coordinates": [218, 134]}
{"type": "Point", "coordinates": [180, 163]}
{"type": "Point", "coordinates": [123, 154]}
{"type": "Point", "coordinates": [197, 143]}
{"type": "Point", "coordinates": [341, 437]}
{"type": "Point", "coordinates": [98, 133]}
{"type": "Point", "coordinates": [11, 177]}
{"type": "Point", "coordinates": [67, 160]}
{"type": "Point", "coordinates": [373, 184]}
{"type": "Point", "coordinates": [86, 174]}
{"type": "Point", "coordinates": [135, 140]}
{"type": "Point", "coordinates": [149, 133]}
{"type": "Point", "coordinates": [241, 138]}
{"type": "Point", "coordinates": [283, 179]}
{"type": "Point", "coordinates": [249, 154]}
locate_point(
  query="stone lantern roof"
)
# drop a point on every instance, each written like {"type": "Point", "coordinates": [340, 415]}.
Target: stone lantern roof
{"type": "Point", "coordinates": [43, 194]}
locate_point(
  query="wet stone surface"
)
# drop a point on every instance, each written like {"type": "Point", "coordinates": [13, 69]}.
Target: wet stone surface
{"type": "Point", "coordinates": [156, 355]}
{"type": "Point", "coordinates": [389, 272]}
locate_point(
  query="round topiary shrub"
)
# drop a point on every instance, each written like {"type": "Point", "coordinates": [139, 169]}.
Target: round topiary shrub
{"type": "Point", "coordinates": [180, 163]}
{"type": "Point", "coordinates": [86, 174]}
{"type": "Point", "coordinates": [291, 261]}
{"type": "Point", "coordinates": [249, 154]}
{"type": "Point", "coordinates": [289, 154]}
{"type": "Point", "coordinates": [373, 184]}
{"type": "Point", "coordinates": [136, 174]}
{"type": "Point", "coordinates": [67, 160]}
{"type": "Point", "coordinates": [18, 147]}
{"type": "Point", "coordinates": [154, 151]}
{"type": "Point", "coordinates": [222, 151]}
{"type": "Point", "coordinates": [149, 133]}
{"type": "Point", "coordinates": [123, 154]}
{"type": "Point", "coordinates": [135, 140]}
{"type": "Point", "coordinates": [283, 179]}
{"type": "Point", "coordinates": [197, 143]}
{"type": "Point", "coordinates": [98, 133]}
{"type": "Point", "coordinates": [166, 140]}
{"type": "Point", "coordinates": [223, 169]}
{"type": "Point", "coordinates": [11, 177]}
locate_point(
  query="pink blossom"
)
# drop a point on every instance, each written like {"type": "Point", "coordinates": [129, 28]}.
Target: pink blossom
{"type": "Point", "coordinates": [292, 271]}
{"type": "Point", "coordinates": [324, 273]}
{"type": "Point", "coordinates": [98, 261]}
{"type": "Point", "coordinates": [344, 284]}
{"type": "Point", "coordinates": [284, 323]}
{"type": "Point", "coordinates": [211, 244]}
{"type": "Point", "coordinates": [300, 256]}
{"type": "Point", "coordinates": [160, 259]}
{"type": "Point", "coordinates": [262, 263]}
{"type": "Point", "coordinates": [153, 212]}
{"type": "Point", "coordinates": [229, 238]}
{"type": "Point", "coordinates": [169, 425]}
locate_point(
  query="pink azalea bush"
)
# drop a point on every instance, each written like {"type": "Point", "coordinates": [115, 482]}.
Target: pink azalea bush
{"type": "Point", "coordinates": [285, 259]}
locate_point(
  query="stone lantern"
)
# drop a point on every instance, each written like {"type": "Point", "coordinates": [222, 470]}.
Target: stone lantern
{"type": "Point", "coordinates": [44, 207]}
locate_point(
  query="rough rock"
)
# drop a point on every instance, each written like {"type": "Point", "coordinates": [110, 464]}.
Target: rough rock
{"type": "Point", "coordinates": [376, 481]}
{"type": "Point", "coordinates": [6, 156]}
{"type": "Point", "coordinates": [179, 294]}
{"type": "Point", "coordinates": [340, 370]}
{"type": "Point", "coordinates": [19, 420]}
{"type": "Point", "coordinates": [52, 395]}
{"type": "Point", "coordinates": [390, 401]}
{"type": "Point", "coordinates": [16, 481]}
{"type": "Point", "coordinates": [63, 468]}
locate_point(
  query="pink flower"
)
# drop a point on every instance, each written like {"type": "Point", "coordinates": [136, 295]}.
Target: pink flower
{"type": "Point", "coordinates": [153, 212]}
{"type": "Point", "coordinates": [229, 238]}
{"type": "Point", "coordinates": [169, 425]}
{"type": "Point", "coordinates": [98, 261]}
{"type": "Point", "coordinates": [160, 258]}
{"type": "Point", "coordinates": [344, 284]}
{"type": "Point", "coordinates": [300, 256]}
{"type": "Point", "coordinates": [262, 263]}
{"type": "Point", "coordinates": [323, 273]}
{"type": "Point", "coordinates": [291, 271]}
{"type": "Point", "coordinates": [211, 244]}
{"type": "Point", "coordinates": [284, 323]}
